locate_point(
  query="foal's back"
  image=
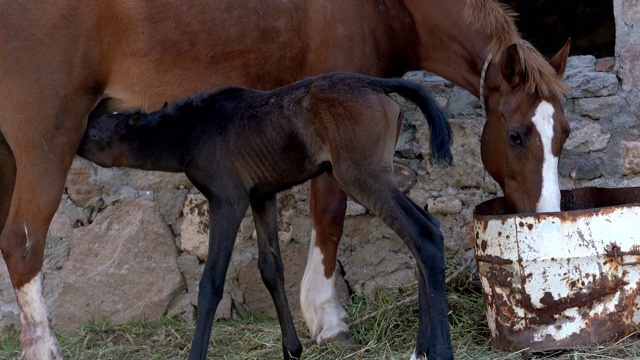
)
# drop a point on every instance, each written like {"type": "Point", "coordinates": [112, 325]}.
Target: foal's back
{"type": "Point", "coordinates": [273, 140]}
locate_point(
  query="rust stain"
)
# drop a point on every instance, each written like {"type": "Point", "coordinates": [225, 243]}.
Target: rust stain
{"type": "Point", "coordinates": [616, 255]}
{"type": "Point", "coordinates": [601, 288]}
{"type": "Point", "coordinates": [492, 259]}
{"type": "Point", "coordinates": [597, 329]}
{"type": "Point", "coordinates": [508, 298]}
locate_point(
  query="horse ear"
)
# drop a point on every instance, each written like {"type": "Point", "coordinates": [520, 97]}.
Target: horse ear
{"type": "Point", "coordinates": [559, 60]}
{"type": "Point", "coordinates": [133, 122]}
{"type": "Point", "coordinates": [511, 66]}
{"type": "Point", "coordinates": [165, 105]}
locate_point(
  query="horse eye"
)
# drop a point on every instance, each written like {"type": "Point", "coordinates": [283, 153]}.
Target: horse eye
{"type": "Point", "coordinates": [515, 138]}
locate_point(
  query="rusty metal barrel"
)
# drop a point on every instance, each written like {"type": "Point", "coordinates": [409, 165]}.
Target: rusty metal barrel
{"type": "Point", "coordinates": [561, 280]}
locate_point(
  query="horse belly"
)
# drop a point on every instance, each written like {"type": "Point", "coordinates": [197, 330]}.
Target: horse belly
{"type": "Point", "coordinates": [275, 159]}
{"type": "Point", "coordinates": [281, 178]}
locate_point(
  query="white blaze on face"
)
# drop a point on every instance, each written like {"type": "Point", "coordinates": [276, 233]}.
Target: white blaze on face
{"type": "Point", "coordinates": [550, 195]}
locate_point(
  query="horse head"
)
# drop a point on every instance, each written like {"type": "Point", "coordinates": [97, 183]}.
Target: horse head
{"type": "Point", "coordinates": [148, 141]}
{"type": "Point", "coordinates": [526, 127]}
{"type": "Point", "coordinates": [112, 140]}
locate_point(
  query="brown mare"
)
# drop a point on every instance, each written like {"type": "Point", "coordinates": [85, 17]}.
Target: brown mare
{"type": "Point", "coordinates": [240, 147]}
{"type": "Point", "coordinates": [60, 59]}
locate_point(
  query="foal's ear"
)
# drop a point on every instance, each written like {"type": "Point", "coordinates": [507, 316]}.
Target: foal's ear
{"type": "Point", "coordinates": [559, 60]}
{"type": "Point", "coordinates": [133, 122]}
{"type": "Point", "coordinates": [511, 66]}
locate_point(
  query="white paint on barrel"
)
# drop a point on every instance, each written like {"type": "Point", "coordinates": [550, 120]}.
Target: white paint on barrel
{"type": "Point", "coordinates": [554, 267]}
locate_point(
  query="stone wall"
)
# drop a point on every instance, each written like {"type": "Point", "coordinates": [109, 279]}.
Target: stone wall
{"type": "Point", "coordinates": [127, 243]}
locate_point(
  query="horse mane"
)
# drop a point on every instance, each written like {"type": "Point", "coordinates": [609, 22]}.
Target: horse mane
{"type": "Point", "coordinates": [192, 108]}
{"type": "Point", "coordinates": [498, 21]}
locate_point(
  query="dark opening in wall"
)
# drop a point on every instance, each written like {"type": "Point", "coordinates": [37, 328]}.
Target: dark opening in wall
{"type": "Point", "coordinates": [549, 23]}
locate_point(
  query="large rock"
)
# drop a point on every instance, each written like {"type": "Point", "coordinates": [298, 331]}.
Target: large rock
{"type": "Point", "coordinates": [467, 169]}
{"type": "Point", "coordinates": [631, 159]}
{"type": "Point", "coordinates": [83, 184]}
{"type": "Point", "coordinates": [579, 64]}
{"type": "Point", "coordinates": [629, 69]}
{"type": "Point", "coordinates": [194, 231]}
{"type": "Point", "coordinates": [578, 167]}
{"type": "Point", "coordinates": [590, 137]}
{"type": "Point", "coordinates": [444, 205]}
{"type": "Point", "coordinates": [592, 85]}
{"type": "Point", "coordinates": [373, 255]}
{"type": "Point", "coordinates": [156, 180]}
{"type": "Point", "coordinates": [122, 267]}
{"type": "Point", "coordinates": [599, 107]}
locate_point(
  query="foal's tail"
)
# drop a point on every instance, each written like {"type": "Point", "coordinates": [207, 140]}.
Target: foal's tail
{"type": "Point", "coordinates": [441, 134]}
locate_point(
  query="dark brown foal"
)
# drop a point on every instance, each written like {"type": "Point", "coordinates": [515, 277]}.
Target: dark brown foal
{"type": "Point", "coordinates": [240, 147]}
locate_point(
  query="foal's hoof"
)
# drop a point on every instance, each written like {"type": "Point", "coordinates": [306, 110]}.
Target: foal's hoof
{"type": "Point", "coordinates": [341, 338]}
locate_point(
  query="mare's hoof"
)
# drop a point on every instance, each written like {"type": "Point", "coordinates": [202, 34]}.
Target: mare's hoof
{"type": "Point", "coordinates": [341, 338]}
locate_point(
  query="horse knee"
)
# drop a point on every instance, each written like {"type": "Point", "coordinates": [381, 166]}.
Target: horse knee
{"type": "Point", "coordinates": [22, 253]}
{"type": "Point", "coordinates": [270, 272]}
{"type": "Point", "coordinates": [438, 240]}
{"type": "Point", "coordinates": [427, 229]}
{"type": "Point", "coordinates": [434, 249]}
{"type": "Point", "coordinates": [432, 219]}
{"type": "Point", "coordinates": [210, 290]}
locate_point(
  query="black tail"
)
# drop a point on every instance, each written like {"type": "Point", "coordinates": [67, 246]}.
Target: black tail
{"type": "Point", "coordinates": [441, 134]}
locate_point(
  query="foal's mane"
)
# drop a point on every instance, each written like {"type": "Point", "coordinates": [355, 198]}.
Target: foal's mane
{"type": "Point", "coordinates": [192, 108]}
{"type": "Point", "coordinates": [498, 21]}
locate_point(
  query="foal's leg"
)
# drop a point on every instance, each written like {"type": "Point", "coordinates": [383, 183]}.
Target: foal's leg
{"type": "Point", "coordinates": [319, 300]}
{"type": "Point", "coordinates": [44, 142]}
{"type": "Point", "coordinates": [423, 305]}
{"type": "Point", "coordinates": [377, 191]}
{"type": "Point", "coordinates": [225, 215]}
{"type": "Point", "coordinates": [270, 264]}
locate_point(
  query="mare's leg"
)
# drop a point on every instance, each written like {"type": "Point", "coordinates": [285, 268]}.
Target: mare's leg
{"type": "Point", "coordinates": [43, 140]}
{"type": "Point", "coordinates": [270, 263]}
{"type": "Point", "coordinates": [7, 179]}
{"type": "Point", "coordinates": [377, 191]}
{"type": "Point", "coordinates": [225, 214]}
{"type": "Point", "coordinates": [321, 307]}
